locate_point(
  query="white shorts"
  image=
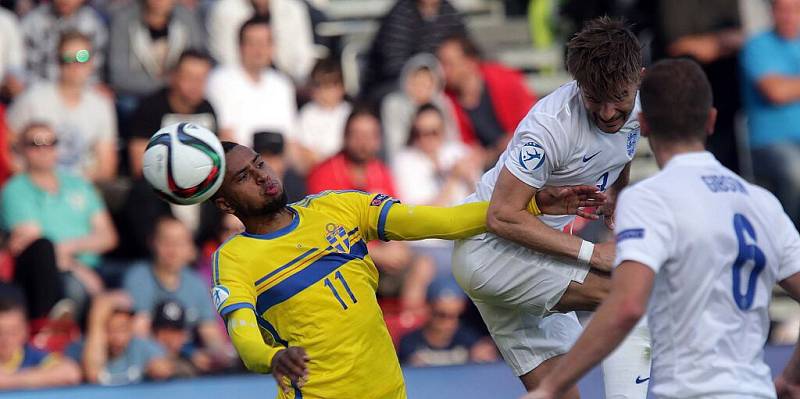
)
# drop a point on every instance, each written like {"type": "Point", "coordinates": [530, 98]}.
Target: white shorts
{"type": "Point", "coordinates": [515, 290]}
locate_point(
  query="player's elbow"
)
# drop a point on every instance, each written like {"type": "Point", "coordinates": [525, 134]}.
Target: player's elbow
{"type": "Point", "coordinates": [630, 312]}
{"type": "Point", "coordinates": [496, 220]}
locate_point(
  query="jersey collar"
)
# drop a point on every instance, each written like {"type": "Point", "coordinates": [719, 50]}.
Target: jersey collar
{"type": "Point", "coordinates": [280, 232]}
{"type": "Point", "coordinates": [692, 158]}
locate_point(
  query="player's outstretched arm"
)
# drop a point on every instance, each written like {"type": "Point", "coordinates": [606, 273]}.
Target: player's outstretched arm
{"type": "Point", "coordinates": [261, 358]}
{"type": "Point", "coordinates": [421, 222]}
{"type": "Point", "coordinates": [509, 218]}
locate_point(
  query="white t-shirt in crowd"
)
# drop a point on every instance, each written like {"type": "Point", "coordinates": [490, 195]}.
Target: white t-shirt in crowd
{"type": "Point", "coordinates": [417, 179]}
{"type": "Point", "coordinates": [717, 245]}
{"type": "Point", "coordinates": [557, 144]}
{"type": "Point", "coordinates": [248, 107]}
{"type": "Point", "coordinates": [321, 130]}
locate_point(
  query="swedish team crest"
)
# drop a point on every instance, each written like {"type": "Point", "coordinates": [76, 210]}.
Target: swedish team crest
{"type": "Point", "coordinates": [338, 238]}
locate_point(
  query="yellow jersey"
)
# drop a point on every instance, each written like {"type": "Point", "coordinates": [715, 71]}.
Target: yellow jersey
{"type": "Point", "coordinates": [312, 284]}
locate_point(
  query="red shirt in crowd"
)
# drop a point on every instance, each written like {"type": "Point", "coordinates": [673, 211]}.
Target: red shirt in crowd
{"type": "Point", "coordinates": [334, 174]}
{"type": "Point", "coordinates": [510, 96]}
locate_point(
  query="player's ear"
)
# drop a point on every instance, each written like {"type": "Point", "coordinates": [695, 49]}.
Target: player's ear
{"type": "Point", "coordinates": [223, 205]}
{"type": "Point", "coordinates": [711, 121]}
{"type": "Point", "coordinates": [644, 126]}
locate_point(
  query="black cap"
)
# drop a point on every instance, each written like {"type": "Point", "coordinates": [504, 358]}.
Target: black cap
{"type": "Point", "coordinates": [268, 142]}
{"type": "Point", "coordinates": [169, 314]}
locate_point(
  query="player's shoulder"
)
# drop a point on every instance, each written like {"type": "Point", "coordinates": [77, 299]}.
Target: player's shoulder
{"type": "Point", "coordinates": [657, 185]}
{"type": "Point", "coordinates": [232, 248]}
{"type": "Point", "coordinates": [555, 110]}
{"type": "Point", "coordinates": [764, 197]}
{"type": "Point", "coordinates": [330, 197]}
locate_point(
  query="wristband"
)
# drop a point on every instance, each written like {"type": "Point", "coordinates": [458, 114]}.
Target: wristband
{"type": "Point", "coordinates": [585, 253]}
{"type": "Point", "coordinates": [533, 208]}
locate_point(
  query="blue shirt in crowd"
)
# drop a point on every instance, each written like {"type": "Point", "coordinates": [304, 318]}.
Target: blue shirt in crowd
{"type": "Point", "coordinates": [147, 292]}
{"type": "Point", "coordinates": [770, 124]}
{"type": "Point", "coordinates": [129, 367]}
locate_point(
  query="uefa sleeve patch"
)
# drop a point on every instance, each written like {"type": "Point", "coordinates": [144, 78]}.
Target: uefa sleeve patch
{"type": "Point", "coordinates": [529, 155]}
{"type": "Point", "coordinates": [379, 199]}
{"type": "Point", "coordinates": [219, 294]}
{"type": "Point", "coordinates": [629, 233]}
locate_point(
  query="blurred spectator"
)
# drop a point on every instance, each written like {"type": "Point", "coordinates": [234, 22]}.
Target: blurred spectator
{"type": "Point", "coordinates": [12, 55]}
{"type": "Point", "coordinates": [422, 82]}
{"type": "Point", "coordinates": [443, 341]}
{"type": "Point", "coordinates": [772, 99]}
{"type": "Point", "coordinates": [168, 277]}
{"type": "Point", "coordinates": [23, 366]}
{"type": "Point", "coordinates": [410, 27]}
{"type": "Point", "coordinates": [357, 166]}
{"type": "Point", "coordinates": [252, 96]}
{"type": "Point", "coordinates": [43, 28]}
{"type": "Point", "coordinates": [6, 166]}
{"type": "Point", "coordinates": [711, 33]}
{"type": "Point", "coordinates": [171, 332]}
{"type": "Point", "coordinates": [488, 99]}
{"type": "Point", "coordinates": [147, 38]}
{"type": "Point", "coordinates": [291, 25]}
{"type": "Point", "coordinates": [433, 170]}
{"type": "Point", "coordinates": [271, 146]}
{"type": "Point", "coordinates": [111, 355]}
{"type": "Point", "coordinates": [182, 101]}
{"type": "Point", "coordinates": [57, 222]}
{"type": "Point", "coordinates": [321, 121]}
{"type": "Point", "coordinates": [84, 119]}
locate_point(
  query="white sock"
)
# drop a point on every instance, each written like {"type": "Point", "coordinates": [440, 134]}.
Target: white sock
{"type": "Point", "coordinates": [626, 372]}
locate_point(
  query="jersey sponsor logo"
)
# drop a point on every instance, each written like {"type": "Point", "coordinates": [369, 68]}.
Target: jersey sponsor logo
{"type": "Point", "coordinates": [633, 140]}
{"type": "Point", "coordinates": [379, 199]}
{"type": "Point", "coordinates": [630, 233]}
{"type": "Point", "coordinates": [338, 238]}
{"type": "Point", "coordinates": [219, 294]}
{"type": "Point", "coordinates": [640, 380]}
{"type": "Point", "coordinates": [531, 155]}
{"type": "Point", "coordinates": [589, 158]}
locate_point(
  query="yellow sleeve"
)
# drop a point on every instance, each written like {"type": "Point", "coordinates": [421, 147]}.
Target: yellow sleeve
{"type": "Point", "coordinates": [365, 210]}
{"type": "Point", "coordinates": [231, 290]}
{"type": "Point", "coordinates": [246, 337]}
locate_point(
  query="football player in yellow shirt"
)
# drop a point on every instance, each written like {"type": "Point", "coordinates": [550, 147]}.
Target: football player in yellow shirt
{"type": "Point", "coordinates": [297, 288]}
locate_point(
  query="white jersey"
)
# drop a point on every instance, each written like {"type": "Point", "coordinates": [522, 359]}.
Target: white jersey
{"type": "Point", "coordinates": [557, 144]}
{"type": "Point", "coordinates": [717, 245]}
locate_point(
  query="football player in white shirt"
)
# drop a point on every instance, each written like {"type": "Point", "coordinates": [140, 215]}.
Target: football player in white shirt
{"type": "Point", "coordinates": [705, 248]}
{"type": "Point", "coordinates": [526, 276]}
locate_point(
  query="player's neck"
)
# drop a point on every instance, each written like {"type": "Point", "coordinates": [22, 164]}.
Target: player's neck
{"type": "Point", "coordinates": [666, 151]}
{"type": "Point", "coordinates": [266, 224]}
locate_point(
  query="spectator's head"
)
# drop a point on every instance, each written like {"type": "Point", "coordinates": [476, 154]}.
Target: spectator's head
{"type": "Point", "coordinates": [169, 326]}
{"type": "Point", "coordinates": [38, 146]}
{"type": "Point", "coordinates": [172, 245]}
{"type": "Point", "coordinates": [327, 83]}
{"type": "Point", "coordinates": [119, 330]}
{"type": "Point", "coordinates": [460, 59]}
{"type": "Point", "coordinates": [362, 136]}
{"type": "Point", "coordinates": [250, 188]}
{"type": "Point", "coordinates": [271, 147]}
{"type": "Point", "coordinates": [786, 14]}
{"type": "Point", "coordinates": [427, 130]}
{"type": "Point", "coordinates": [446, 302]}
{"type": "Point", "coordinates": [422, 78]}
{"type": "Point", "coordinates": [676, 104]}
{"type": "Point", "coordinates": [255, 44]}
{"type": "Point", "coordinates": [428, 8]}
{"type": "Point", "coordinates": [13, 328]}
{"type": "Point", "coordinates": [189, 77]}
{"type": "Point", "coordinates": [605, 58]}
{"type": "Point", "coordinates": [66, 7]}
{"type": "Point", "coordinates": [75, 55]}
{"type": "Point", "coordinates": [228, 227]}
{"type": "Point", "coordinates": [160, 8]}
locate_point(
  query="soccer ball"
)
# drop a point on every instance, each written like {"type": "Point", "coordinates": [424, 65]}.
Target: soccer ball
{"type": "Point", "coordinates": [184, 163]}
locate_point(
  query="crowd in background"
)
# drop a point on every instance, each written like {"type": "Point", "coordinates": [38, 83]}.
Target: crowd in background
{"type": "Point", "coordinates": [103, 282]}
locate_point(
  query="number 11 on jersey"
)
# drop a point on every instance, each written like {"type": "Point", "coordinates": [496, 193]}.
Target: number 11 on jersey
{"type": "Point", "coordinates": [338, 276]}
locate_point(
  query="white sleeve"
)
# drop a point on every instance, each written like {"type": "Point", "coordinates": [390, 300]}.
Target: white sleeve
{"type": "Point", "coordinates": [540, 149]}
{"type": "Point", "coordinates": [790, 250]}
{"type": "Point", "coordinates": [643, 225]}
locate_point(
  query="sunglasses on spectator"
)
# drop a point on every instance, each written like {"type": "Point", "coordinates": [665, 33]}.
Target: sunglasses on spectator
{"type": "Point", "coordinates": [41, 143]}
{"type": "Point", "coordinates": [80, 57]}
